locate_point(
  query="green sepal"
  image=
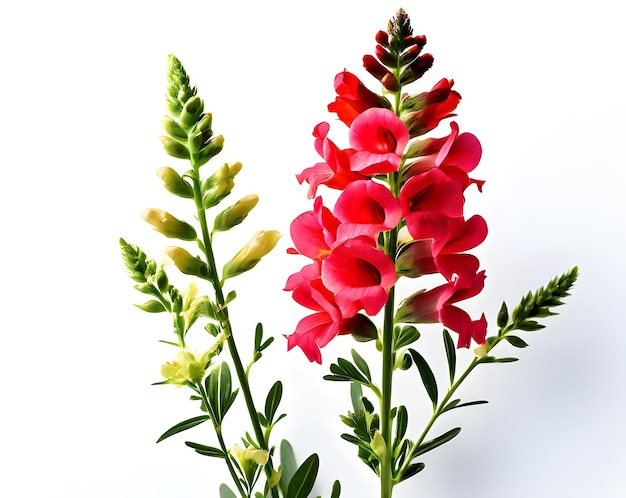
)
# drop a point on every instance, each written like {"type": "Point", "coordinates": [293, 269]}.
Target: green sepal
{"type": "Point", "coordinates": [183, 426]}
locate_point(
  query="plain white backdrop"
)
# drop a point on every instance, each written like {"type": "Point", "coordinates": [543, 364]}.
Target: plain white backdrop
{"type": "Point", "coordinates": [82, 87]}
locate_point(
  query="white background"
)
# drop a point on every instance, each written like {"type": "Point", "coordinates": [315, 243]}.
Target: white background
{"type": "Point", "coordinates": [82, 90]}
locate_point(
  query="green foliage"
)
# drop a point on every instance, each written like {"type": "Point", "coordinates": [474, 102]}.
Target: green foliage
{"type": "Point", "coordinates": [345, 371]}
{"type": "Point", "coordinates": [301, 484]}
{"type": "Point", "coordinates": [183, 426]}
{"type": "Point", "coordinates": [427, 375]}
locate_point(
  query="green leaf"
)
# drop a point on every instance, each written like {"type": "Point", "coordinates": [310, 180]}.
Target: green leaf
{"type": "Point", "coordinates": [428, 378]}
{"type": "Point", "coordinates": [402, 422]}
{"type": "Point", "coordinates": [225, 492]}
{"type": "Point", "coordinates": [516, 341]}
{"type": "Point", "coordinates": [152, 306]}
{"type": "Point", "coordinates": [505, 360]}
{"type": "Point", "coordinates": [226, 390]}
{"type": "Point", "coordinates": [403, 336]}
{"type": "Point", "coordinates": [209, 451]}
{"type": "Point", "coordinates": [288, 465]}
{"type": "Point", "coordinates": [258, 336]}
{"type": "Point", "coordinates": [411, 470]}
{"type": "Point", "coordinates": [450, 354]}
{"type": "Point", "coordinates": [183, 426]}
{"type": "Point", "coordinates": [302, 481]}
{"type": "Point", "coordinates": [361, 364]}
{"type": "Point", "coordinates": [336, 491]}
{"type": "Point", "coordinates": [436, 442]}
{"type": "Point", "coordinates": [273, 400]}
{"type": "Point", "coordinates": [455, 404]}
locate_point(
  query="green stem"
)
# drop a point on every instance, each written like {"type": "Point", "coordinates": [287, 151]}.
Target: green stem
{"type": "Point", "coordinates": [225, 322]}
{"type": "Point", "coordinates": [218, 432]}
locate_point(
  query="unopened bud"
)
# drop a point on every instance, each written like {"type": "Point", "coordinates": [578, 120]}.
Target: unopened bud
{"type": "Point", "coordinates": [166, 224]}
{"type": "Point", "coordinates": [174, 183]}
{"type": "Point", "coordinates": [174, 148]}
{"type": "Point", "coordinates": [186, 263]}
{"type": "Point", "coordinates": [235, 214]}
{"type": "Point", "coordinates": [173, 129]}
{"type": "Point", "coordinates": [261, 243]}
{"type": "Point", "coordinates": [211, 149]}
{"type": "Point", "coordinates": [191, 112]}
{"type": "Point", "coordinates": [205, 122]}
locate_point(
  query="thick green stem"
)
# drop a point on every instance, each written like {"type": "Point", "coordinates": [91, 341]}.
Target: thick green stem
{"type": "Point", "coordinates": [225, 322]}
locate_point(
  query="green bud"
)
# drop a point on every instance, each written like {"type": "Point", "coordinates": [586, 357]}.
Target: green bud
{"type": "Point", "coordinates": [191, 112]}
{"type": "Point", "coordinates": [204, 125]}
{"type": "Point", "coordinates": [247, 258]}
{"type": "Point", "coordinates": [186, 263]}
{"type": "Point", "coordinates": [174, 183]}
{"type": "Point", "coordinates": [503, 316]}
{"type": "Point", "coordinates": [173, 129]}
{"type": "Point", "coordinates": [235, 214]}
{"type": "Point", "coordinates": [161, 280]}
{"type": "Point", "coordinates": [212, 149]}
{"type": "Point", "coordinates": [166, 224]}
{"type": "Point", "coordinates": [174, 148]}
{"type": "Point", "coordinates": [379, 446]}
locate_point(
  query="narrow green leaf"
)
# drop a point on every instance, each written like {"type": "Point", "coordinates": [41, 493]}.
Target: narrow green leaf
{"type": "Point", "coordinates": [356, 395]}
{"type": "Point", "coordinates": [288, 465]}
{"type": "Point", "coordinates": [265, 345]}
{"type": "Point", "coordinates": [226, 389]}
{"type": "Point", "coordinates": [428, 378]}
{"type": "Point", "coordinates": [209, 451]}
{"type": "Point", "coordinates": [436, 442]}
{"type": "Point", "coordinates": [183, 426]}
{"type": "Point", "coordinates": [518, 342]}
{"type": "Point", "coordinates": [273, 400]}
{"type": "Point", "coordinates": [336, 491]}
{"type": "Point", "coordinates": [412, 469]}
{"type": "Point", "coordinates": [258, 336]}
{"type": "Point", "coordinates": [505, 360]}
{"type": "Point", "coordinates": [529, 326]}
{"type": "Point", "coordinates": [403, 336]}
{"type": "Point", "coordinates": [361, 364]}
{"type": "Point", "coordinates": [152, 306]}
{"type": "Point", "coordinates": [302, 481]}
{"type": "Point", "coordinates": [351, 371]}
{"type": "Point", "coordinates": [450, 354]}
{"type": "Point", "coordinates": [225, 492]}
{"type": "Point", "coordinates": [402, 422]}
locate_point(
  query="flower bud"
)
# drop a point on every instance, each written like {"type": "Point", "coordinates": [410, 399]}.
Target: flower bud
{"type": "Point", "coordinates": [211, 149]}
{"type": "Point", "coordinates": [385, 57]}
{"type": "Point", "coordinates": [174, 183]}
{"type": "Point", "coordinates": [174, 148]}
{"type": "Point", "coordinates": [261, 243]}
{"type": "Point", "coordinates": [378, 445]}
{"type": "Point", "coordinates": [173, 129]}
{"type": "Point", "coordinates": [390, 82]}
{"type": "Point", "coordinates": [166, 224]}
{"type": "Point", "coordinates": [219, 184]}
{"type": "Point", "coordinates": [235, 214]}
{"type": "Point", "coordinates": [191, 112]}
{"type": "Point", "coordinates": [382, 38]}
{"type": "Point", "coordinates": [186, 263]}
{"type": "Point", "coordinates": [206, 120]}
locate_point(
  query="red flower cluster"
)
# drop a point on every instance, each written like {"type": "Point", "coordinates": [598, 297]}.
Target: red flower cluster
{"type": "Point", "coordinates": [351, 269]}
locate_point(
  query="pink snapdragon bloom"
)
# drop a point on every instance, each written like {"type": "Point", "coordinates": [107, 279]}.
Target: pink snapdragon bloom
{"type": "Point", "coordinates": [366, 207]}
{"type": "Point", "coordinates": [456, 155]}
{"type": "Point", "coordinates": [360, 275]}
{"type": "Point", "coordinates": [353, 97]}
{"type": "Point", "coordinates": [379, 138]}
{"type": "Point", "coordinates": [437, 305]}
{"type": "Point", "coordinates": [314, 233]}
{"type": "Point", "coordinates": [335, 171]}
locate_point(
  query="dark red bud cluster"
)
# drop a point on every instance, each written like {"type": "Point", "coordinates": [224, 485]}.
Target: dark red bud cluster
{"type": "Point", "coordinates": [397, 58]}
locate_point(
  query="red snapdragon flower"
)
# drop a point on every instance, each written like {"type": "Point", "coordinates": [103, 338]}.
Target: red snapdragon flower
{"type": "Point", "coordinates": [379, 138]}
{"type": "Point", "coordinates": [353, 97]}
{"type": "Point", "coordinates": [366, 207]}
{"type": "Point", "coordinates": [314, 233]}
{"type": "Point", "coordinates": [437, 305]}
{"type": "Point", "coordinates": [427, 109]}
{"type": "Point", "coordinates": [359, 274]}
{"type": "Point", "coordinates": [335, 171]}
